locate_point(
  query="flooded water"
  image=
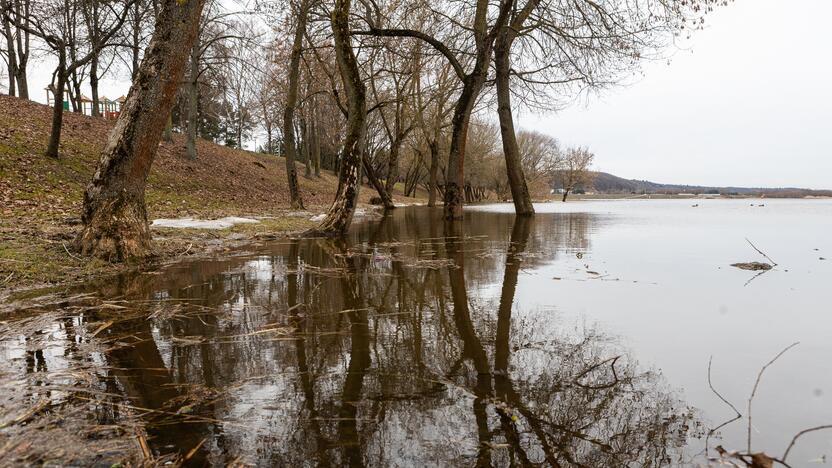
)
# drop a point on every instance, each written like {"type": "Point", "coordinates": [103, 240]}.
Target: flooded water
{"type": "Point", "coordinates": [581, 337]}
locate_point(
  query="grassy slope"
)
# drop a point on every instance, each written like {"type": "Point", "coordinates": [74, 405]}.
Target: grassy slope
{"type": "Point", "coordinates": [40, 198]}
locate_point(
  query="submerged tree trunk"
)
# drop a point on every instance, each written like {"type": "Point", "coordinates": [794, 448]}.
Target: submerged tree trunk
{"type": "Point", "coordinates": [193, 101]}
{"type": "Point", "coordinates": [455, 180]}
{"type": "Point", "coordinates": [339, 216]}
{"type": "Point", "coordinates": [514, 169]}
{"type": "Point", "coordinates": [433, 173]}
{"type": "Point", "coordinates": [58, 108]}
{"type": "Point", "coordinates": [289, 111]}
{"type": "Point", "coordinates": [114, 213]}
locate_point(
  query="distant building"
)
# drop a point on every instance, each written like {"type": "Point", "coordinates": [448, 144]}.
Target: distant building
{"type": "Point", "coordinates": [109, 108]}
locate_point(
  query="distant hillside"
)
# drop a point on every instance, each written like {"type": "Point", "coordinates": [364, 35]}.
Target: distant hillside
{"type": "Point", "coordinates": [608, 183]}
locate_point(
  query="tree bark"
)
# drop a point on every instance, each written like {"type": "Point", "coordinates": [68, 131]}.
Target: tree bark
{"type": "Point", "coordinates": [340, 214]}
{"type": "Point", "coordinates": [305, 150]}
{"type": "Point", "coordinates": [114, 215]}
{"type": "Point", "coordinates": [393, 166]}
{"type": "Point", "coordinates": [565, 194]}
{"type": "Point", "coordinates": [386, 201]}
{"type": "Point", "coordinates": [58, 108]}
{"type": "Point", "coordinates": [455, 180]}
{"type": "Point", "coordinates": [433, 173]}
{"type": "Point", "coordinates": [96, 108]}
{"type": "Point", "coordinates": [316, 142]}
{"type": "Point", "coordinates": [167, 133]}
{"type": "Point", "coordinates": [514, 169]}
{"type": "Point", "coordinates": [22, 48]}
{"type": "Point", "coordinates": [472, 84]}
{"type": "Point", "coordinates": [136, 45]}
{"type": "Point", "coordinates": [22, 81]}
{"type": "Point", "coordinates": [295, 198]}
{"type": "Point", "coordinates": [94, 28]}
{"type": "Point", "coordinates": [193, 101]}
{"type": "Point", "coordinates": [11, 60]}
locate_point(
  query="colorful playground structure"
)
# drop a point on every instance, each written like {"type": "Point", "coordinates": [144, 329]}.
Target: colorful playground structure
{"type": "Point", "coordinates": [109, 108]}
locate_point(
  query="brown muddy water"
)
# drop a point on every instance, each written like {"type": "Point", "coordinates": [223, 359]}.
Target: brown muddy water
{"type": "Point", "coordinates": [578, 338]}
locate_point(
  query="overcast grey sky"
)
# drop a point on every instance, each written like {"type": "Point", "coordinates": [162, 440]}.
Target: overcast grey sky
{"type": "Point", "coordinates": [749, 104]}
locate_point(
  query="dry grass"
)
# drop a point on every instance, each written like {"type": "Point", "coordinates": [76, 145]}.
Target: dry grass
{"type": "Point", "coordinates": [40, 198]}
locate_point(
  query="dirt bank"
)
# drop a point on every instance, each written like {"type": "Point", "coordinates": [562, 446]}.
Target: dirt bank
{"type": "Point", "coordinates": [40, 198]}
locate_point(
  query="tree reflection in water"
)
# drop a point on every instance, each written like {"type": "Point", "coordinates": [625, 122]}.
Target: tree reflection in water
{"type": "Point", "coordinates": [386, 349]}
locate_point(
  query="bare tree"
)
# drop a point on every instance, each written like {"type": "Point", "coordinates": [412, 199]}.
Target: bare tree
{"type": "Point", "coordinates": [474, 31]}
{"type": "Point", "coordinates": [56, 23]}
{"type": "Point", "coordinates": [301, 13]}
{"type": "Point", "coordinates": [540, 156]}
{"type": "Point", "coordinates": [98, 20]}
{"type": "Point", "coordinates": [209, 64]}
{"type": "Point", "coordinates": [17, 52]}
{"type": "Point", "coordinates": [563, 47]}
{"type": "Point", "coordinates": [432, 112]}
{"type": "Point", "coordinates": [393, 88]}
{"type": "Point", "coordinates": [576, 169]}
{"type": "Point", "coordinates": [114, 214]}
{"type": "Point", "coordinates": [502, 49]}
{"type": "Point", "coordinates": [340, 214]}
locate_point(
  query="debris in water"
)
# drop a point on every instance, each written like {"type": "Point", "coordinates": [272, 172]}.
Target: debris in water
{"type": "Point", "coordinates": [753, 266]}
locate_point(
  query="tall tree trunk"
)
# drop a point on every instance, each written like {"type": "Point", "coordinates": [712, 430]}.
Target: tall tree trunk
{"type": "Point", "coordinates": [22, 80]}
{"type": "Point", "coordinates": [455, 180]}
{"type": "Point", "coordinates": [96, 107]}
{"type": "Point", "coordinates": [193, 101]}
{"type": "Point", "coordinates": [472, 84]}
{"type": "Point", "coordinates": [93, 25]}
{"type": "Point", "coordinates": [565, 194]}
{"type": "Point", "coordinates": [393, 166]}
{"type": "Point", "coordinates": [22, 48]}
{"type": "Point", "coordinates": [269, 138]}
{"type": "Point", "coordinates": [514, 169]}
{"type": "Point", "coordinates": [136, 45]}
{"type": "Point", "coordinates": [11, 59]}
{"type": "Point", "coordinates": [339, 216]}
{"type": "Point", "coordinates": [114, 214]}
{"type": "Point", "coordinates": [58, 108]}
{"type": "Point", "coordinates": [305, 150]}
{"type": "Point", "coordinates": [433, 173]}
{"type": "Point", "coordinates": [73, 85]}
{"type": "Point", "coordinates": [316, 142]}
{"type": "Point", "coordinates": [167, 133]}
{"type": "Point", "coordinates": [289, 111]}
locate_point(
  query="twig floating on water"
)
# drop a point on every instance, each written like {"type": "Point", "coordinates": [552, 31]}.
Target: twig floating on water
{"type": "Point", "coordinates": [761, 252]}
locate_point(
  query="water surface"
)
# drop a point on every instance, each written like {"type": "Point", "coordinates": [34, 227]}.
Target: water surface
{"type": "Point", "coordinates": [578, 338]}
